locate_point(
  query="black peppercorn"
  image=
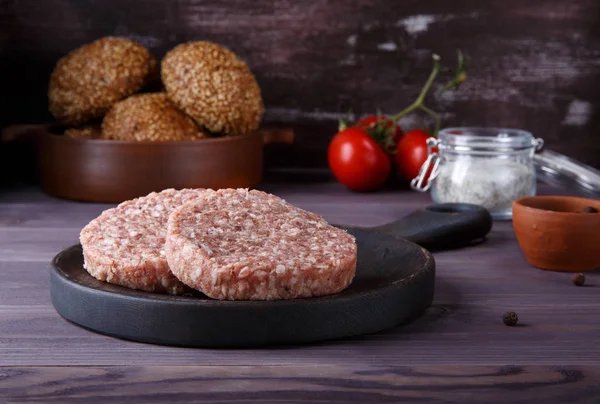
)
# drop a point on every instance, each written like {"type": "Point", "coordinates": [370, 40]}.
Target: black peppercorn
{"type": "Point", "coordinates": [589, 209]}
{"type": "Point", "coordinates": [510, 318]}
{"type": "Point", "coordinates": [578, 279]}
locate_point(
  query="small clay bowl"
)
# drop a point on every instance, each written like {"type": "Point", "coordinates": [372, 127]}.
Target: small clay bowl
{"type": "Point", "coordinates": [555, 234]}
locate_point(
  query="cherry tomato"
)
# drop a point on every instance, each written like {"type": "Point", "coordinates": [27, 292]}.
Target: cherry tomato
{"type": "Point", "coordinates": [357, 161]}
{"type": "Point", "coordinates": [369, 121]}
{"type": "Point", "coordinates": [411, 153]}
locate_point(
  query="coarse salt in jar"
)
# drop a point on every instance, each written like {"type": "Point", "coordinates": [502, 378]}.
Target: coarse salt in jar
{"type": "Point", "coordinates": [490, 167]}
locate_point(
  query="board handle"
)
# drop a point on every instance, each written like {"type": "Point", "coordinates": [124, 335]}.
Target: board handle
{"type": "Point", "coordinates": [442, 226]}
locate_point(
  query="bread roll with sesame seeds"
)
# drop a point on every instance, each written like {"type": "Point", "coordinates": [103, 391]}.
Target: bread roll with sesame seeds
{"type": "Point", "coordinates": [90, 79]}
{"type": "Point", "coordinates": [84, 132]}
{"type": "Point", "coordinates": [213, 86]}
{"type": "Point", "coordinates": [148, 117]}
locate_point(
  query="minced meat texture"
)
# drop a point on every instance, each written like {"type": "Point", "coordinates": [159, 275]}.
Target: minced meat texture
{"type": "Point", "coordinates": [249, 245]}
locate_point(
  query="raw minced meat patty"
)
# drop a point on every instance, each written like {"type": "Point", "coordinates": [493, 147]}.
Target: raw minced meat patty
{"type": "Point", "coordinates": [236, 244]}
{"type": "Point", "coordinates": [125, 245]}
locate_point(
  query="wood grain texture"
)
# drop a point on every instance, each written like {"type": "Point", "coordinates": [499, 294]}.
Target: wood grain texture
{"type": "Point", "coordinates": [321, 383]}
{"type": "Point", "coordinates": [459, 351]}
{"type": "Point", "coordinates": [560, 322]}
{"type": "Point", "coordinates": [533, 64]}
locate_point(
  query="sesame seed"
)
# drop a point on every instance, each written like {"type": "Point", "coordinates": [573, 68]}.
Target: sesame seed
{"type": "Point", "coordinates": [214, 86]}
{"type": "Point", "coordinates": [85, 132]}
{"type": "Point", "coordinates": [149, 117]}
{"type": "Point", "coordinates": [90, 79]}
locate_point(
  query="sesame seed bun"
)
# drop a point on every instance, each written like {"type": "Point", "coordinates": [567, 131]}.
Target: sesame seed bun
{"type": "Point", "coordinates": [148, 117]}
{"type": "Point", "coordinates": [90, 79]}
{"type": "Point", "coordinates": [213, 86]}
{"type": "Point", "coordinates": [85, 132]}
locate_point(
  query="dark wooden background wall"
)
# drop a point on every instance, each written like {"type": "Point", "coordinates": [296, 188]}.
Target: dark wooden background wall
{"type": "Point", "coordinates": [534, 64]}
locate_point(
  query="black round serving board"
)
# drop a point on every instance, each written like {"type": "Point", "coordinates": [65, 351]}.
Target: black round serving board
{"type": "Point", "coordinates": [394, 283]}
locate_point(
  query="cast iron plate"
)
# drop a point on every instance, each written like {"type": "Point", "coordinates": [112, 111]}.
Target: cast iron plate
{"type": "Point", "coordinates": [394, 284]}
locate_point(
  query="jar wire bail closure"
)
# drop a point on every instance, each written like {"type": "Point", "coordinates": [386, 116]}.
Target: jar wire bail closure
{"type": "Point", "coordinates": [422, 182]}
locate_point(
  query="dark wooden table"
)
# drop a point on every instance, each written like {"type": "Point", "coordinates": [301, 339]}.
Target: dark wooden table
{"type": "Point", "coordinates": [458, 351]}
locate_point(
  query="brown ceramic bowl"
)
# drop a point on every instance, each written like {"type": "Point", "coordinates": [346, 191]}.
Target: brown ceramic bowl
{"type": "Point", "coordinates": [96, 170]}
{"type": "Point", "coordinates": [556, 235]}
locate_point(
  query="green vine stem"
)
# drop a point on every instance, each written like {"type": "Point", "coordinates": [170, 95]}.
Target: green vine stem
{"type": "Point", "coordinates": [383, 130]}
{"type": "Point", "coordinates": [435, 116]}
{"type": "Point", "coordinates": [419, 103]}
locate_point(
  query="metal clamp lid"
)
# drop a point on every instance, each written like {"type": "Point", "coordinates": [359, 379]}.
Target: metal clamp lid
{"type": "Point", "coordinates": [422, 182]}
{"type": "Point", "coordinates": [538, 143]}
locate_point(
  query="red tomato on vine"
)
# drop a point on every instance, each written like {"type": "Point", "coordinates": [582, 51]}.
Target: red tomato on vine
{"type": "Point", "coordinates": [357, 161]}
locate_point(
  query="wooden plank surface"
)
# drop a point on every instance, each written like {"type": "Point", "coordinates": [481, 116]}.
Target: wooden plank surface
{"type": "Point", "coordinates": [459, 346]}
{"type": "Point", "coordinates": [533, 64]}
{"type": "Point", "coordinates": [322, 383]}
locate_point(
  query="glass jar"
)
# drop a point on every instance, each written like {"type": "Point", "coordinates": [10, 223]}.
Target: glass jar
{"type": "Point", "coordinates": [490, 167]}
